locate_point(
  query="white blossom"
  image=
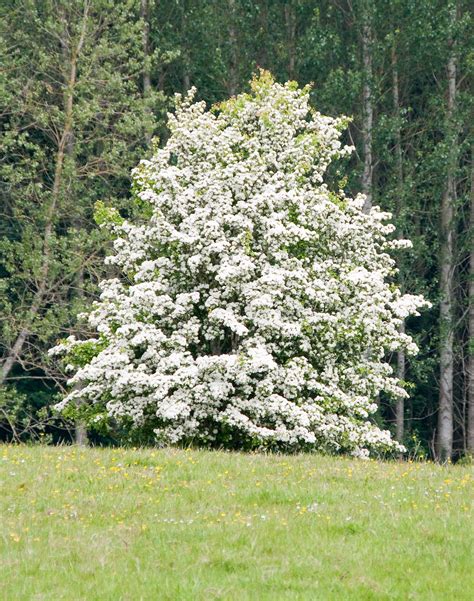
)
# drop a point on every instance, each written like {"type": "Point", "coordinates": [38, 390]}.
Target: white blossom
{"type": "Point", "coordinates": [256, 307]}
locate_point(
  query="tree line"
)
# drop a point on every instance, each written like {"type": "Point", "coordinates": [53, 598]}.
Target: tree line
{"type": "Point", "coordinates": [85, 86]}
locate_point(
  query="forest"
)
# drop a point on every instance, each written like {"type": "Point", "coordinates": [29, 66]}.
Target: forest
{"type": "Point", "coordinates": [85, 87]}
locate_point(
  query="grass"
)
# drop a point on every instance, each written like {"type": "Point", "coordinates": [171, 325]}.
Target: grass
{"type": "Point", "coordinates": [118, 524]}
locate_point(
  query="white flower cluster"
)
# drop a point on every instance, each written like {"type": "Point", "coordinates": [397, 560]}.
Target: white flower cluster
{"type": "Point", "coordinates": [255, 307]}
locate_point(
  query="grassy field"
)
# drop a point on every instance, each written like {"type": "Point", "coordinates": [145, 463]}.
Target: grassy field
{"type": "Point", "coordinates": [117, 524]}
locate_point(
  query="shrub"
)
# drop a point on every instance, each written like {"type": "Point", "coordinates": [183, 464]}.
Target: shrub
{"type": "Point", "coordinates": [255, 307]}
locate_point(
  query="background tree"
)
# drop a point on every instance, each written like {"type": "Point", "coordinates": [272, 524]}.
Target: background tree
{"type": "Point", "coordinates": [74, 122]}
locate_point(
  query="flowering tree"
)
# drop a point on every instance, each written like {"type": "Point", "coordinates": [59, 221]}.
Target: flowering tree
{"type": "Point", "coordinates": [255, 307]}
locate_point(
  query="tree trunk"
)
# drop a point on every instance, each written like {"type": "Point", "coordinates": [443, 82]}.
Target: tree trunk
{"type": "Point", "coordinates": [401, 358]}
{"type": "Point", "coordinates": [184, 49]}
{"type": "Point", "coordinates": [144, 14]}
{"type": "Point", "coordinates": [470, 373]}
{"type": "Point", "coordinates": [146, 77]}
{"type": "Point", "coordinates": [17, 347]}
{"type": "Point", "coordinates": [368, 110]}
{"type": "Point", "coordinates": [445, 415]}
{"type": "Point", "coordinates": [80, 434]}
{"type": "Point", "coordinates": [234, 60]}
{"type": "Point", "coordinates": [262, 52]}
{"type": "Point", "coordinates": [290, 21]}
{"type": "Point", "coordinates": [186, 81]}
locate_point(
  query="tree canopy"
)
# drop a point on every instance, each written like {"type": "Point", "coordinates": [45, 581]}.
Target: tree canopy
{"type": "Point", "coordinates": [255, 306]}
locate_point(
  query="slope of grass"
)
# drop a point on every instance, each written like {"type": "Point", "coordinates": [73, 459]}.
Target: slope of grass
{"type": "Point", "coordinates": [189, 525]}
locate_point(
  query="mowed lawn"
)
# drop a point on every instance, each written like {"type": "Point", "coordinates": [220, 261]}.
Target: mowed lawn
{"type": "Point", "coordinates": [121, 524]}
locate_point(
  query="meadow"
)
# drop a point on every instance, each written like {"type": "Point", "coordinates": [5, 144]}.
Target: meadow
{"type": "Point", "coordinates": [131, 524]}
